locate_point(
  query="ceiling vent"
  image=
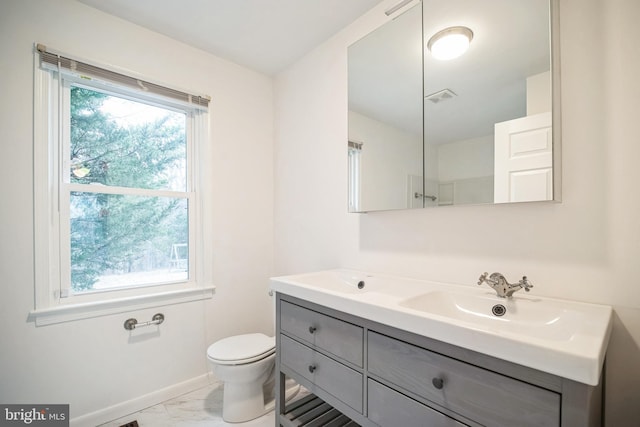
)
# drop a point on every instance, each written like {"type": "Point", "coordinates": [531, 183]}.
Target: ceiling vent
{"type": "Point", "coordinates": [441, 95]}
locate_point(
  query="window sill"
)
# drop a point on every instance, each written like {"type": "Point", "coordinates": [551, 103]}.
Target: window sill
{"type": "Point", "coordinates": [71, 312]}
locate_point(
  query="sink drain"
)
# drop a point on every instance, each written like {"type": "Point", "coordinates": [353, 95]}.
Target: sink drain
{"type": "Point", "coordinates": [361, 284]}
{"type": "Point", "coordinates": [498, 310]}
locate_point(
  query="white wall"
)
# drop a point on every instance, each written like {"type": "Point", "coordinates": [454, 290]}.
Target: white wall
{"type": "Point", "coordinates": [468, 166]}
{"type": "Point", "coordinates": [470, 158]}
{"type": "Point", "coordinates": [94, 364]}
{"type": "Point", "coordinates": [539, 93]}
{"type": "Point", "coordinates": [586, 248]}
{"type": "Point", "coordinates": [389, 155]}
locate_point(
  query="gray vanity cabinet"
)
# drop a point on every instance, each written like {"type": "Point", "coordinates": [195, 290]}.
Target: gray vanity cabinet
{"type": "Point", "coordinates": [377, 375]}
{"type": "Point", "coordinates": [388, 407]}
{"type": "Point", "coordinates": [337, 379]}
{"type": "Point", "coordinates": [336, 337]}
{"type": "Point", "coordinates": [476, 393]}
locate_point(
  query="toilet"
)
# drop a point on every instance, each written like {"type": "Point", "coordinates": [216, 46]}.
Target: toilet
{"type": "Point", "coordinates": [245, 364]}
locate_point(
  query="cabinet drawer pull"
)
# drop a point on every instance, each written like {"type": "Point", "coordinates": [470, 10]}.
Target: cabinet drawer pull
{"type": "Point", "coordinates": [438, 383]}
{"type": "Point", "coordinates": [312, 368]}
{"type": "Point", "coordinates": [312, 329]}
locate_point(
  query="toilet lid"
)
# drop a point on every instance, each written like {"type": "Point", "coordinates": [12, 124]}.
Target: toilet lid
{"type": "Point", "coordinates": [242, 347]}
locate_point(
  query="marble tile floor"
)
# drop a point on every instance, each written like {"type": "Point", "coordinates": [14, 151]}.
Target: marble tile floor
{"type": "Point", "coordinates": [199, 408]}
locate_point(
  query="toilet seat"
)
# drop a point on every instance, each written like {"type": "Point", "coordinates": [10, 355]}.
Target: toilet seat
{"type": "Point", "coordinates": [241, 349]}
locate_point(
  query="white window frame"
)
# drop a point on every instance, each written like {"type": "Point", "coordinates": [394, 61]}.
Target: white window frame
{"type": "Point", "coordinates": [53, 301]}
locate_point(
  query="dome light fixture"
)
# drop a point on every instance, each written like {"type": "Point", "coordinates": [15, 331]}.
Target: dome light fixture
{"type": "Point", "coordinates": [450, 43]}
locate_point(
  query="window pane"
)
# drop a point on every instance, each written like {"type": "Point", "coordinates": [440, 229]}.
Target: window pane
{"type": "Point", "coordinates": [122, 240]}
{"type": "Point", "coordinates": [119, 142]}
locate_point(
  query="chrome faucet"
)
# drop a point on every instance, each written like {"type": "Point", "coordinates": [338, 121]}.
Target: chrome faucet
{"type": "Point", "coordinates": [503, 288]}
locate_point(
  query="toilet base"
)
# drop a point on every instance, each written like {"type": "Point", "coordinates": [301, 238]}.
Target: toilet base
{"type": "Point", "coordinates": [240, 404]}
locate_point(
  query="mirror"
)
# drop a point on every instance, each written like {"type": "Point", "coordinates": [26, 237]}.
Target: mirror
{"type": "Point", "coordinates": [385, 116]}
{"type": "Point", "coordinates": [487, 115]}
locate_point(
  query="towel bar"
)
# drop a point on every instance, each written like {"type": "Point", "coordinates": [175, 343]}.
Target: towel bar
{"type": "Point", "coordinates": [131, 324]}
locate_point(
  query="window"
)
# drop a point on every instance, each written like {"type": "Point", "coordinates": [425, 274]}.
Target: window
{"type": "Point", "coordinates": [118, 192]}
{"type": "Point", "coordinates": [355, 148]}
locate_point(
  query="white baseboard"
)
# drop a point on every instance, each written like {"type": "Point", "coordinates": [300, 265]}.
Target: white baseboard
{"type": "Point", "coordinates": [139, 403]}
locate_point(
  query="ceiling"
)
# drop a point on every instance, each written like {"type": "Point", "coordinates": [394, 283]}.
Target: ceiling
{"type": "Point", "coordinates": [264, 35]}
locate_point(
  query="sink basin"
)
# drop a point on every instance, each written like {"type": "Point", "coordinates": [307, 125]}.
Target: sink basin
{"type": "Point", "coordinates": [339, 281]}
{"type": "Point", "coordinates": [533, 317]}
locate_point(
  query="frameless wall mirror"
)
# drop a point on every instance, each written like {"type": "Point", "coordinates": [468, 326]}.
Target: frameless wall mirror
{"type": "Point", "coordinates": [385, 116]}
{"type": "Point", "coordinates": [490, 114]}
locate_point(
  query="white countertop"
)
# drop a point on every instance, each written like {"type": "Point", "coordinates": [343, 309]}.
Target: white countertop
{"type": "Point", "coordinates": [561, 337]}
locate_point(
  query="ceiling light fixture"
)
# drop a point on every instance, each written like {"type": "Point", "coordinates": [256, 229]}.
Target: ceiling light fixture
{"type": "Point", "coordinates": [450, 43]}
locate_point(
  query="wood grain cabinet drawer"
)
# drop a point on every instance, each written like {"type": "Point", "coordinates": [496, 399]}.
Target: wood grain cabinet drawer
{"type": "Point", "coordinates": [341, 339]}
{"type": "Point", "coordinates": [484, 396]}
{"type": "Point", "coordinates": [333, 377]}
{"type": "Point", "coordinates": [388, 408]}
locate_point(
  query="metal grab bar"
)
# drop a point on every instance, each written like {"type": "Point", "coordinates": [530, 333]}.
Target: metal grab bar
{"type": "Point", "coordinates": [131, 324]}
{"type": "Point", "coordinates": [417, 195]}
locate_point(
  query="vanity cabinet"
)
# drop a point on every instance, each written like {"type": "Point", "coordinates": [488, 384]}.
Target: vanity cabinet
{"type": "Point", "coordinates": [340, 339]}
{"type": "Point", "coordinates": [476, 393]}
{"type": "Point", "coordinates": [335, 378]}
{"type": "Point", "coordinates": [388, 407]}
{"type": "Point", "coordinates": [377, 375]}
{"type": "Point", "coordinates": [323, 350]}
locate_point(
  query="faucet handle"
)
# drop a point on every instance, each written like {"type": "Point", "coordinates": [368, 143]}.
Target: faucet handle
{"type": "Point", "coordinates": [525, 284]}
{"type": "Point", "coordinates": [482, 278]}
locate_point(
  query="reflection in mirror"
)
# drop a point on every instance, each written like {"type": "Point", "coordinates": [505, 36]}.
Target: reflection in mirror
{"type": "Point", "coordinates": [385, 116]}
{"type": "Point", "coordinates": [487, 113]}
